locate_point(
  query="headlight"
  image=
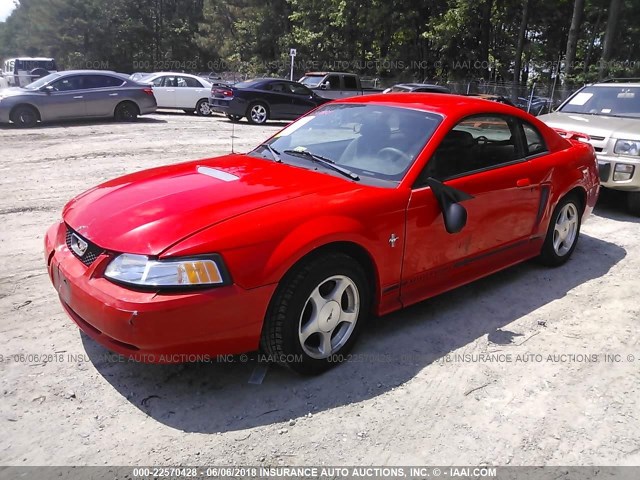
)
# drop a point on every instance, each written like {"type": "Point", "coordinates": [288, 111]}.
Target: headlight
{"type": "Point", "coordinates": [627, 147]}
{"type": "Point", "coordinates": [142, 271]}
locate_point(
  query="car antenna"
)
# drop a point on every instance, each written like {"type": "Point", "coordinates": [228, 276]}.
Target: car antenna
{"type": "Point", "coordinates": [233, 131]}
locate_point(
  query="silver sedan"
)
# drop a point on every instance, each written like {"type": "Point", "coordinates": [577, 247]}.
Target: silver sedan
{"type": "Point", "coordinates": [76, 94]}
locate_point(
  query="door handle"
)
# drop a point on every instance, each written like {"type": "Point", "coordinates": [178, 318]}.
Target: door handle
{"type": "Point", "coordinates": [78, 97]}
{"type": "Point", "coordinates": [113, 94]}
{"type": "Point", "coordinates": [523, 182]}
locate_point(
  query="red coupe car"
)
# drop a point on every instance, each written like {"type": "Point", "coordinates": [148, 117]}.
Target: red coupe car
{"type": "Point", "coordinates": [363, 206]}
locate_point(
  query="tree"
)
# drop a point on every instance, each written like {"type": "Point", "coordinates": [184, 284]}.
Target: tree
{"type": "Point", "coordinates": [572, 40]}
{"type": "Point", "coordinates": [615, 10]}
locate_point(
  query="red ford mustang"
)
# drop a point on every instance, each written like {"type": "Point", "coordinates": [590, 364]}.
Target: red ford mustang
{"type": "Point", "coordinates": [364, 206]}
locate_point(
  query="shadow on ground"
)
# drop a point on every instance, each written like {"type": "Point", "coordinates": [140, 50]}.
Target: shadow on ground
{"type": "Point", "coordinates": [612, 204]}
{"type": "Point", "coordinates": [212, 398]}
{"type": "Point", "coordinates": [78, 123]}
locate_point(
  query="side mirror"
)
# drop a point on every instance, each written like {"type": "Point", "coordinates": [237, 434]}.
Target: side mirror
{"type": "Point", "coordinates": [455, 217]}
{"type": "Point", "coordinates": [324, 86]}
{"type": "Point", "coordinates": [47, 89]}
{"type": "Point", "coordinates": [449, 198]}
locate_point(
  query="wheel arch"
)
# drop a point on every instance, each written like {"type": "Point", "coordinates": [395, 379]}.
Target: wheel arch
{"type": "Point", "coordinates": [350, 248]}
{"type": "Point", "coordinates": [122, 102]}
{"type": "Point", "coordinates": [25, 104]}
{"type": "Point", "coordinates": [579, 192]}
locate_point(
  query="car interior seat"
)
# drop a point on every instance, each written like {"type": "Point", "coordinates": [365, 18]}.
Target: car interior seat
{"type": "Point", "coordinates": [374, 136]}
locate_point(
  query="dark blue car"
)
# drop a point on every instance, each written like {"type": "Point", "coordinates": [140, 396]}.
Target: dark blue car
{"type": "Point", "coordinates": [263, 99]}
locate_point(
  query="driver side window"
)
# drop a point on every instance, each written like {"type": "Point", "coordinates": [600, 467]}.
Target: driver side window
{"type": "Point", "coordinates": [476, 143]}
{"type": "Point", "coordinates": [67, 84]}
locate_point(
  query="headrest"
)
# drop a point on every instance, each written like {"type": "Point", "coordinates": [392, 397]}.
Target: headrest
{"type": "Point", "coordinates": [457, 138]}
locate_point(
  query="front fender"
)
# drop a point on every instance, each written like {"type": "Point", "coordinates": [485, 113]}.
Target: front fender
{"type": "Point", "coordinates": [311, 235]}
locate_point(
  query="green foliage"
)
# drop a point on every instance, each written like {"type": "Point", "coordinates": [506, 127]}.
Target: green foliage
{"type": "Point", "coordinates": [409, 40]}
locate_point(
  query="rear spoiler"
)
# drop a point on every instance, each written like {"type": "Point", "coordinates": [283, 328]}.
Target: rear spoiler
{"type": "Point", "coordinates": [570, 135]}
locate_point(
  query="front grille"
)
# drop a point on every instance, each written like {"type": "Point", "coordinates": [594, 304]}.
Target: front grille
{"type": "Point", "coordinates": [598, 139]}
{"type": "Point", "coordinates": [90, 254]}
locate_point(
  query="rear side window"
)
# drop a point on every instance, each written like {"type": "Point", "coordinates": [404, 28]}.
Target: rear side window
{"type": "Point", "coordinates": [299, 89]}
{"type": "Point", "coordinates": [102, 81]}
{"type": "Point", "coordinates": [535, 143]}
{"type": "Point", "coordinates": [350, 82]}
{"type": "Point", "coordinates": [191, 82]}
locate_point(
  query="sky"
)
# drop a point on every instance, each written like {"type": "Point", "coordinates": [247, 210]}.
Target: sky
{"type": "Point", "coordinates": [6, 6]}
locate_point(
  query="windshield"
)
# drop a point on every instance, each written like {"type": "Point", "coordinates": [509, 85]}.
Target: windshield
{"type": "Point", "coordinates": [375, 142]}
{"type": "Point", "coordinates": [311, 81]}
{"type": "Point", "coordinates": [615, 101]}
{"type": "Point", "coordinates": [43, 81]}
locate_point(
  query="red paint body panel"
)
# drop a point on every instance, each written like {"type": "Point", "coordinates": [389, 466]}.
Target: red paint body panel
{"type": "Point", "coordinates": [262, 217]}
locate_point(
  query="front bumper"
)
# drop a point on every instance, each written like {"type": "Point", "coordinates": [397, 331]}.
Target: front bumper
{"type": "Point", "coordinates": [152, 327]}
{"type": "Point", "coordinates": [5, 111]}
{"type": "Point", "coordinates": [607, 169]}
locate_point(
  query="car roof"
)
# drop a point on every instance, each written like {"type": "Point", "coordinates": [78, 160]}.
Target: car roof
{"type": "Point", "coordinates": [444, 104]}
{"type": "Point", "coordinates": [270, 79]}
{"type": "Point", "coordinates": [318, 74]}
{"type": "Point", "coordinates": [174, 73]}
{"type": "Point", "coordinates": [38, 59]}
{"type": "Point", "coordinates": [615, 84]}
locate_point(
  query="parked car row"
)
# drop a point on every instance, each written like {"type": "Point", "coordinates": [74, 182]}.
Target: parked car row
{"type": "Point", "coordinates": [606, 114]}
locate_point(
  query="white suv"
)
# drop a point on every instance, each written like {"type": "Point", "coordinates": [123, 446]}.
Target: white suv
{"type": "Point", "coordinates": [609, 113]}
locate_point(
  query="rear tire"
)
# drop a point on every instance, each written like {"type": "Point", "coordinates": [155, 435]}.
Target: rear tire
{"type": "Point", "coordinates": [257, 113]}
{"type": "Point", "coordinates": [25, 116]}
{"type": "Point", "coordinates": [633, 203]}
{"type": "Point", "coordinates": [202, 108]}
{"type": "Point", "coordinates": [316, 314]}
{"type": "Point", "coordinates": [564, 230]}
{"type": "Point", "coordinates": [126, 112]}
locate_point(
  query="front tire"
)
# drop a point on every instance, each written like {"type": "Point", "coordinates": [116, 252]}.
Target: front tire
{"type": "Point", "coordinates": [25, 117]}
{"type": "Point", "coordinates": [202, 108]}
{"type": "Point", "coordinates": [257, 113]}
{"type": "Point", "coordinates": [316, 314]}
{"type": "Point", "coordinates": [564, 230]}
{"type": "Point", "coordinates": [126, 112]}
{"type": "Point", "coordinates": [633, 203]}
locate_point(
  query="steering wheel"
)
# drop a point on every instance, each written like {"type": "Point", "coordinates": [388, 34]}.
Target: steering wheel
{"type": "Point", "coordinates": [394, 155]}
{"type": "Point", "coordinates": [482, 140]}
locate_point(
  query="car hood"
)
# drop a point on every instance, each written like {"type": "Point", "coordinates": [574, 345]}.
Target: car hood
{"type": "Point", "coordinates": [13, 92]}
{"type": "Point", "coordinates": [595, 125]}
{"type": "Point", "coordinates": [149, 211]}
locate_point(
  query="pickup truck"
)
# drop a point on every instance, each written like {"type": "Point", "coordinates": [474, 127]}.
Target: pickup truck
{"type": "Point", "coordinates": [336, 84]}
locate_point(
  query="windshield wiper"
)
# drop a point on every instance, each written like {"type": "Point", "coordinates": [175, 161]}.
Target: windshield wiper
{"type": "Point", "coordinates": [274, 153]}
{"type": "Point", "coordinates": [323, 161]}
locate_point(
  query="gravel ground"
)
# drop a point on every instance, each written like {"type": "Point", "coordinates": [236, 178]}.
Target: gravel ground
{"type": "Point", "coordinates": [531, 366]}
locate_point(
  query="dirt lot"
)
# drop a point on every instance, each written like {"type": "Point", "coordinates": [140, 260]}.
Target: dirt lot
{"type": "Point", "coordinates": [475, 376]}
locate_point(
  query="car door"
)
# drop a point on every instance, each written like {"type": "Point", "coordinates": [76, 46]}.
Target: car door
{"type": "Point", "coordinates": [302, 99]}
{"type": "Point", "coordinates": [66, 99]}
{"type": "Point", "coordinates": [102, 94]}
{"type": "Point", "coordinates": [188, 92]}
{"type": "Point", "coordinates": [278, 95]}
{"type": "Point", "coordinates": [331, 87]}
{"type": "Point", "coordinates": [483, 156]}
{"type": "Point", "coordinates": [164, 89]}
